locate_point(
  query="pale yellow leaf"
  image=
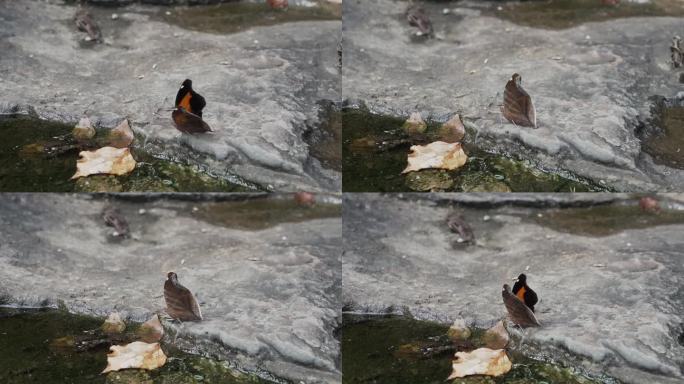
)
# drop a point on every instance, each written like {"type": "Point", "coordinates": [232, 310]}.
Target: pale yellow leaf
{"type": "Point", "coordinates": [108, 160]}
{"type": "Point", "coordinates": [482, 361]}
{"type": "Point", "coordinates": [438, 155]}
{"type": "Point", "coordinates": [135, 355]}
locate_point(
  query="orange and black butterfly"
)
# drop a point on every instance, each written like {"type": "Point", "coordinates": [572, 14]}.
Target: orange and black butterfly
{"type": "Point", "coordinates": [190, 100]}
{"type": "Point", "coordinates": [188, 113]}
{"type": "Point", "coordinates": [518, 312]}
{"type": "Point", "coordinates": [523, 292]}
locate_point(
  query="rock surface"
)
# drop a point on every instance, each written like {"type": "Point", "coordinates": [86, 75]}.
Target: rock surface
{"type": "Point", "coordinates": [590, 83]}
{"type": "Point", "coordinates": [615, 300]}
{"type": "Point", "coordinates": [263, 85]}
{"type": "Point", "coordinates": [269, 297]}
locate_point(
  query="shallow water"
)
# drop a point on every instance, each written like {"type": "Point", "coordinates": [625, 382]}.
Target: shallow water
{"type": "Point", "coordinates": [29, 353]}
{"type": "Point", "coordinates": [664, 138]}
{"type": "Point", "coordinates": [396, 350]}
{"type": "Point", "coordinates": [238, 16]}
{"type": "Point", "coordinates": [375, 151]}
{"type": "Point", "coordinates": [27, 164]}
{"type": "Point", "coordinates": [605, 220]}
{"type": "Point", "coordinates": [257, 214]}
{"type": "Point", "coordinates": [559, 14]}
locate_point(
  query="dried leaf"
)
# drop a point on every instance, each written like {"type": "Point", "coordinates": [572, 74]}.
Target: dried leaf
{"type": "Point", "coordinates": [151, 331]}
{"type": "Point", "coordinates": [135, 355]}
{"type": "Point", "coordinates": [414, 124]}
{"type": "Point", "coordinates": [452, 131]}
{"type": "Point", "coordinates": [83, 130]}
{"type": "Point", "coordinates": [482, 361]}
{"type": "Point", "coordinates": [496, 337]}
{"type": "Point", "coordinates": [459, 330]}
{"type": "Point", "coordinates": [122, 136]}
{"type": "Point", "coordinates": [109, 160]}
{"type": "Point", "coordinates": [113, 324]}
{"type": "Point", "coordinates": [436, 155]}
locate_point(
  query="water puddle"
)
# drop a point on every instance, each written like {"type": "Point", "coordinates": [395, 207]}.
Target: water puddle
{"type": "Point", "coordinates": [325, 140]}
{"type": "Point", "coordinates": [400, 350]}
{"type": "Point", "coordinates": [40, 156]}
{"type": "Point", "coordinates": [35, 348]}
{"type": "Point", "coordinates": [560, 14]}
{"type": "Point", "coordinates": [375, 149]}
{"type": "Point", "coordinates": [663, 137]}
{"type": "Point", "coordinates": [258, 214]}
{"type": "Point", "coordinates": [238, 16]}
{"type": "Point", "coordinates": [605, 220]}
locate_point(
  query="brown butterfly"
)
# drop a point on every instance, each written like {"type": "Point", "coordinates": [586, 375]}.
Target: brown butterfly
{"type": "Point", "coordinates": [180, 302]}
{"type": "Point", "coordinates": [458, 225]}
{"type": "Point", "coordinates": [517, 106]}
{"type": "Point", "coordinates": [188, 122]}
{"type": "Point", "coordinates": [113, 218]}
{"type": "Point", "coordinates": [676, 52]}
{"type": "Point", "coordinates": [416, 16]}
{"type": "Point", "coordinates": [519, 313]}
{"type": "Point", "coordinates": [84, 22]}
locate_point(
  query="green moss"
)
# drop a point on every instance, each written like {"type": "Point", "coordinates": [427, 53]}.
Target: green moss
{"type": "Point", "coordinates": [375, 151]}
{"type": "Point", "coordinates": [35, 348]}
{"type": "Point", "coordinates": [397, 350]}
{"type": "Point", "coordinates": [40, 156]}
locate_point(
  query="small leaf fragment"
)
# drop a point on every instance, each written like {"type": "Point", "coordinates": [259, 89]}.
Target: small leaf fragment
{"type": "Point", "coordinates": [121, 136]}
{"type": "Point", "coordinates": [151, 331]}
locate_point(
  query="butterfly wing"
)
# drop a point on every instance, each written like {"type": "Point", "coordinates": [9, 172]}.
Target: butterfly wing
{"type": "Point", "coordinates": [519, 313]}
{"type": "Point", "coordinates": [518, 107]}
{"type": "Point", "coordinates": [181, 303]}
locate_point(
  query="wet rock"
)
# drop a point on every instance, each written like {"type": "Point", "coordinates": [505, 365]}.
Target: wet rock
{"type": "Point", "coordinates": [429, 180]}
